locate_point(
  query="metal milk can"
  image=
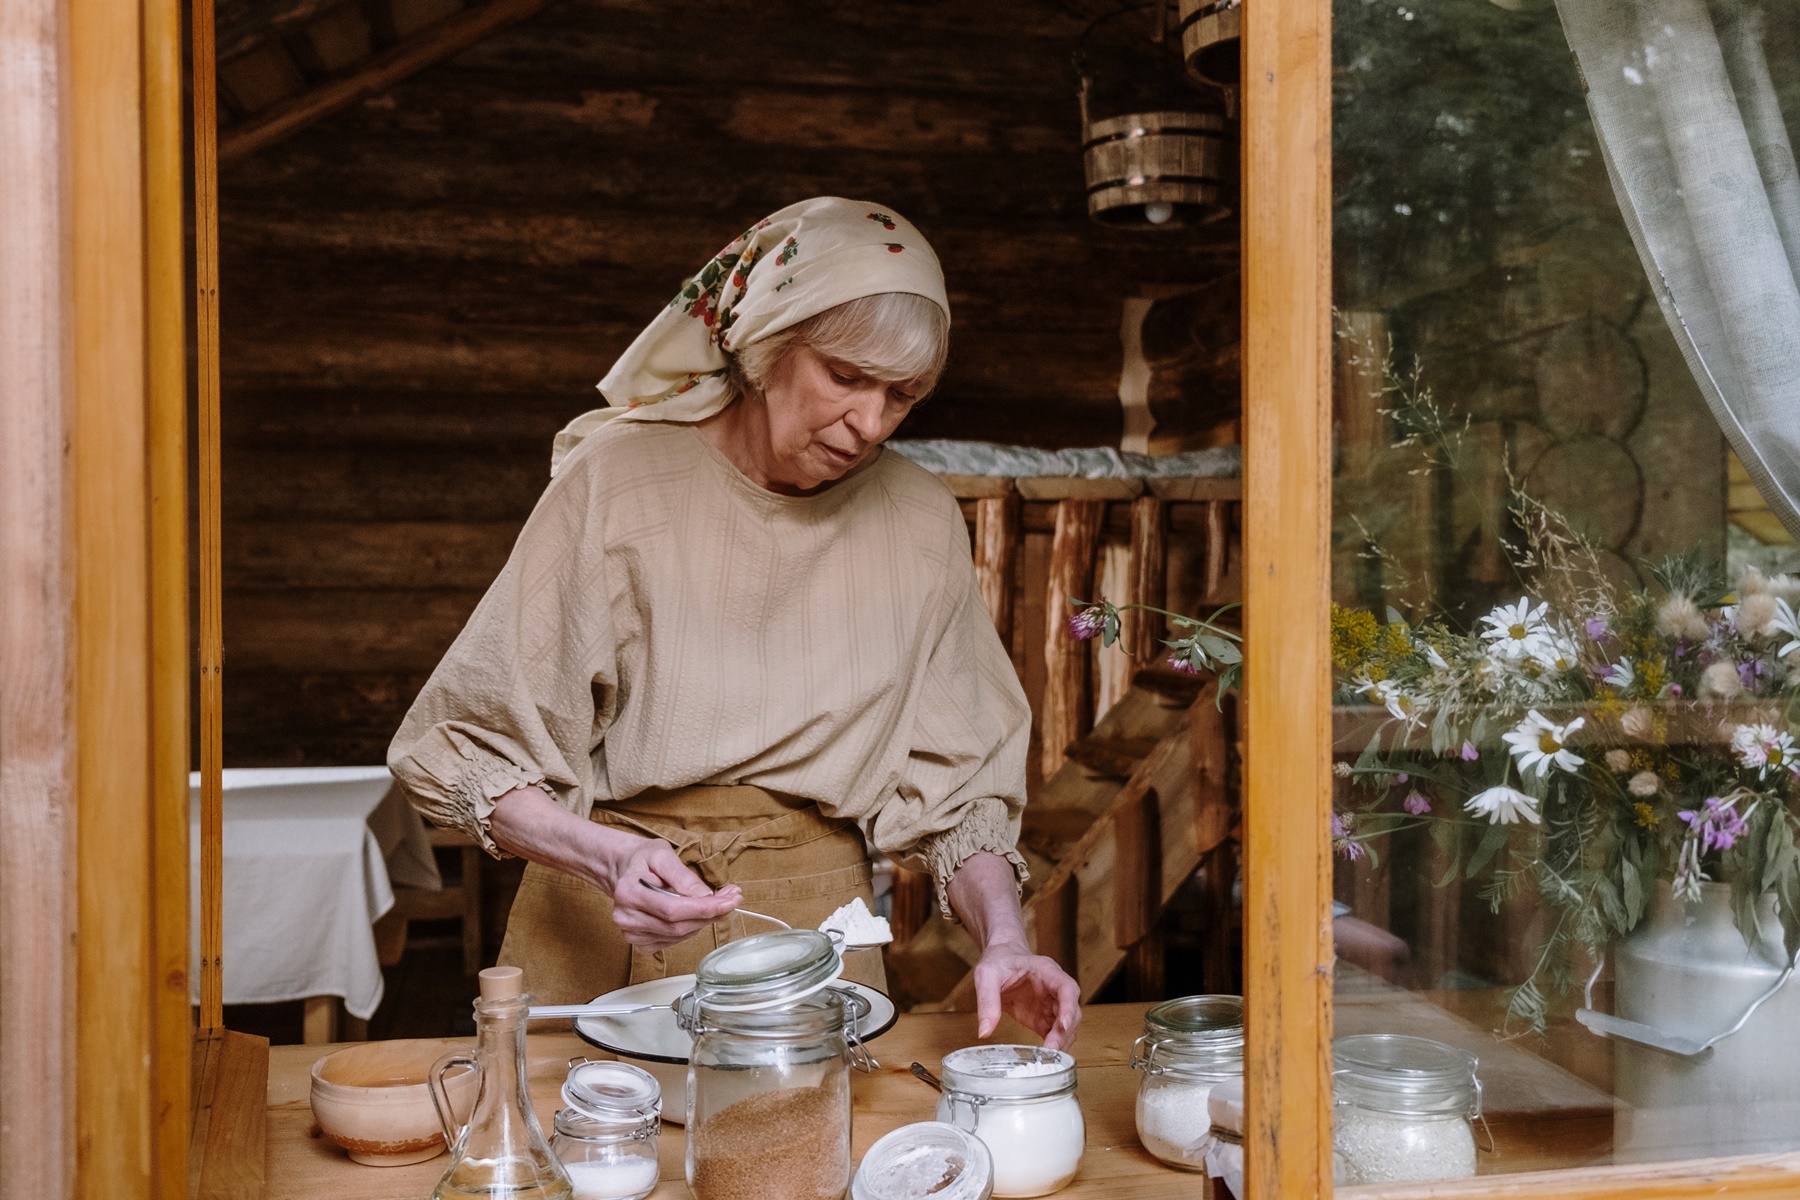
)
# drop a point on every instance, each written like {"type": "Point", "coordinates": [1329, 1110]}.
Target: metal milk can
{"type": "Point", "coordinates": [1717, 1070]}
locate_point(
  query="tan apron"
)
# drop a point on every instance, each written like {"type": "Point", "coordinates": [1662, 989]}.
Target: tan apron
{"type": "Point", "coordinates": [791, 860]}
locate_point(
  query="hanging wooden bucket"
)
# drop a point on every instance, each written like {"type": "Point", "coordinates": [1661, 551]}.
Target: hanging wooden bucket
{"type": "Point", "coordinates": [1210, 31]}
{"type": "Point", "coordinates": [1156, 170]}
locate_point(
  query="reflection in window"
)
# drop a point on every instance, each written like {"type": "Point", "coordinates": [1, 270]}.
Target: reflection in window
{"type": "Point", "coordinates": [1565, 638]}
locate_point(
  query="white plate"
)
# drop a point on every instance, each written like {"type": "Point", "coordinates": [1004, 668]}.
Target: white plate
{"type": "Point", "coordinates": [656, 1042]}
{"type": "Point", "coordinates": [655, 1035]}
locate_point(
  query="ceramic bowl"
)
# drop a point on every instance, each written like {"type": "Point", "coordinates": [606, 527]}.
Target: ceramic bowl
{"type": "Point", "coordinates": [372, 1099]}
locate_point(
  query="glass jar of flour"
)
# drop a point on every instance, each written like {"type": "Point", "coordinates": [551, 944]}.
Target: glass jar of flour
{"type": "Point", "coordinates": [1020, 1101]}
{"type": "Point", "coordinates": [606, 1137]}
{"type": "Point", "coordinates": [1405, 1108]}
{"type": "Point", "coordinates": [1188, 1046]}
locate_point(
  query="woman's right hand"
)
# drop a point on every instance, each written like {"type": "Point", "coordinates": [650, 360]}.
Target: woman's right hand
{"type": "Point", "coordinates": [624, 865]}
{"type": "Point", "coordinates": [654, 919]}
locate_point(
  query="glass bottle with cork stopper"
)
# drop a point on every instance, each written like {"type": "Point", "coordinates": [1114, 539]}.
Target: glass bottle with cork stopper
{"type": "Point", "coordinates": [501, 1152]}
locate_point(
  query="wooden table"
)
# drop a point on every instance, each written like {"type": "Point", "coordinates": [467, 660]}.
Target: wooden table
{"type": "Point", "coordinates": [1542, 1118]}
{"type": "Point", "coordinates": [303, 1166]}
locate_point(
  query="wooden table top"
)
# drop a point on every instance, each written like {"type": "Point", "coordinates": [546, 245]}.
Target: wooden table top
{"type": "Point", "coordinates": [302, 1165]}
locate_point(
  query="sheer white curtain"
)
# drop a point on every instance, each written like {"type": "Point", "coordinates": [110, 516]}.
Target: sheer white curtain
{"type": "Point", "coordinates": [1699, 156]}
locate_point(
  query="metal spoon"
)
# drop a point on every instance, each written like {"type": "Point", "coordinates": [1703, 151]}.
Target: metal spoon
{"type": "Point", "coordinates": [920, 1070]}
{"type": "Point", "coordinates": [744, 911]}
{"type": "Point", "coordinates": [847, 946]}
{"type": "Point", "coordinates": [547, 1012]}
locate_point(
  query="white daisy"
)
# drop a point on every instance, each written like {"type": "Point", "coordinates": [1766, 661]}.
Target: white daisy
{"type": "Point", "coordinates": [1765, 748]}
{"type": "Point", "coordinates": [1514, 630]}
{"type": "Point", "coordinates": [1541, 744]}
{"type": "Point", "coordinates": [1401, 704]}
{"type": "Point", "coordinates": [1504, 806]}
{"type": "Point", "coordinates": [1620, 675]}
{"type": "Point", "coordinates": [1553, 651]}
{"type": "Point", "coordinates": [1784, 622]}
{"type": "Point", "coordinates": [1434, 658]}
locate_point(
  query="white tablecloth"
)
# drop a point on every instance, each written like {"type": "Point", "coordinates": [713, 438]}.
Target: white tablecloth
{"type": "Point", "coordinates": [311, 857]}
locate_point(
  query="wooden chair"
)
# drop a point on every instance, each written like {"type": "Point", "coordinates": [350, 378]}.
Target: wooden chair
{"type": "Point", "coordinates": [460, 902]}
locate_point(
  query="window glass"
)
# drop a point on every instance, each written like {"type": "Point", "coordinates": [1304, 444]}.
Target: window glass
{"type": "Point", "coordinates": [1566, 241]}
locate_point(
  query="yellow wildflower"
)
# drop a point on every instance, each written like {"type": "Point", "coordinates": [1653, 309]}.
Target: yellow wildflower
{"type": "Point", "coordinates": [1353, 632]}
{"type": "Point", "coordinates": [1644, 814]}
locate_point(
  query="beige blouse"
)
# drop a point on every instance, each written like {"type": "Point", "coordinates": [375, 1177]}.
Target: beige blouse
{"type": "Point", "coordinates": [663, 621]}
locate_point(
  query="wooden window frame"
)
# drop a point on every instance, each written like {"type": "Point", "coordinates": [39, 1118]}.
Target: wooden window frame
{"type": "Point", "coordinates": [94, 1018]}
{"type": "Point", "coordinates": [1287, 595]}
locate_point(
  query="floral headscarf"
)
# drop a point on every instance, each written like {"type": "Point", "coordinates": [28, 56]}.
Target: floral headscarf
{"type": "Point", "coordinates": [791, 265]}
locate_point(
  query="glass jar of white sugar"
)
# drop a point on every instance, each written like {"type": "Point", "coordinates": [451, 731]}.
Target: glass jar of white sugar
{"type": "Point", "coordinates": [1404, 1109]}
{"type": "Point", "coordinates": [1189, 1045]}
{"type": "Point", "coordinates": [606, 1137]}
{"type": "Point", "coordinates": [1020, 1101]}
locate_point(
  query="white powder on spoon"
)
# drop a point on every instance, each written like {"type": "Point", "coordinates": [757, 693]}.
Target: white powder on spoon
{"type": "Point", "coordinates": [858, 925]}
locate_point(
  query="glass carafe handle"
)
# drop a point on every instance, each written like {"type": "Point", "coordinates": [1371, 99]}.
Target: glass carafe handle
{"type": "Point", "coordinates": [440, 1095]}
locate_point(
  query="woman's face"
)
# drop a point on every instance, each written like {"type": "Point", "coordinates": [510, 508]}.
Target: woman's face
{"type": "Point", "coordinates": [825, 418]}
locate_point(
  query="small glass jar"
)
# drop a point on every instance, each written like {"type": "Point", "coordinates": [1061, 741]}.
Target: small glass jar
{"type": "Point", "coordinates": [768, 1077]}
{"type": "Point", "coordinates": [1405, 1108]}
{"type": "Point", "coordinates": [606, 1137]}
{"type": "Point", "coordinates": [1020, 1101]}
{"type": "Point", "coordinates": [1188, 1046]}
{"type": "Point", "coordinates": [926, 1161]}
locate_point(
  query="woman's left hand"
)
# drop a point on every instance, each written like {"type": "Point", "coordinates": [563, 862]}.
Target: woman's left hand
{"type": "Point", "coordinates": [1028, 987]}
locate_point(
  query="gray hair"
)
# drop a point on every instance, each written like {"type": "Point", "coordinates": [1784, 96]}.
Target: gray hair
{"type": "Point", "coordinates": [896, 337]}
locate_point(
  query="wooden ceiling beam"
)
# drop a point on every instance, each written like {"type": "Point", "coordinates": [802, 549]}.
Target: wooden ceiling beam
{"type": "Point", "coordinates": [430, 46]}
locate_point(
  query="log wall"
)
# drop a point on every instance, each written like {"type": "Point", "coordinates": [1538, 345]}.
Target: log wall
{"type": "Point", "coordinates": [419, 290]}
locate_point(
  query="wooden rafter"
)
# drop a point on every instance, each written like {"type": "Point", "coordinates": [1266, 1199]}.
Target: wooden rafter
{"type": "Point", "coordinates": [428, 47]}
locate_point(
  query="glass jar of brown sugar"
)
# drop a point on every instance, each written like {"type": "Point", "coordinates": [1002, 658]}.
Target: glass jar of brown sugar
{"type": "Point", "coordinates": [769, 1085]}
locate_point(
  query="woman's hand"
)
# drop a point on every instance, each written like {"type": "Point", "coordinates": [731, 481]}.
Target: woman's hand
{"type": "Point", "coordinates": [655, 920]}
{"type": "Point", "coordinates": [1009, 978]}
{"type": "Point", "coordinates": [528, 823]}
{"type": "Point", "coordinates": [1029, 988]}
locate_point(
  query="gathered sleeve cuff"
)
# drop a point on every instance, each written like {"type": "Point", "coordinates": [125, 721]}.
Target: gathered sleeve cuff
{"type": "Point", "coordinates": [987, 824]}
{"type": "Point", "coordinates": [459, 786]}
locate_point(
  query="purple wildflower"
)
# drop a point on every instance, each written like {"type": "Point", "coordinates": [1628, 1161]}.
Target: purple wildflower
{"type": "Point", "coordinates": [1717, 824]}
{"type": "Point", "coordinates": [1597, 629]}
{"type": "Point", "coordinates": [1342, 841]}
{"type": "Point", "coordinates": [1416, 803]}
{"type": "Point", "coordinates": [1469, 753]}
{"type": "Point", "coordinates": [1402, 777]}
{"type": "Point", "coordinates": [1675, 689]}
{"type": "Point", "coordinates": [1179, 662]}
{"type": "Point", "coordinates": [1087, 623]}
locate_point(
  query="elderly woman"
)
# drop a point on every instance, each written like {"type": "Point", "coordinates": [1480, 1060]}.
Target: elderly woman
{"type": "Point", "coordinates": [737, 643]}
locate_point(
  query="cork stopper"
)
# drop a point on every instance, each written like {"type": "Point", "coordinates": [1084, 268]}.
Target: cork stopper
{"type": "Point", "coordinates": [502, 983]}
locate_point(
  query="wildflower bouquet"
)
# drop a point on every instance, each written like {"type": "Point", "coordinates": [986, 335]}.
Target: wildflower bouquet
{"type": "Point", "coordinates": [1588, 754]}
